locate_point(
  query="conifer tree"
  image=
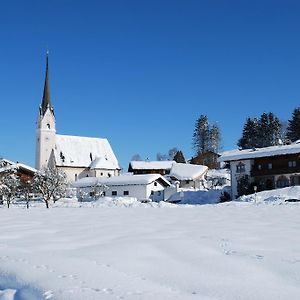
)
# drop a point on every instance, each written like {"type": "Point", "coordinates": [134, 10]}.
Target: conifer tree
{"type": "Point", "coordinates": [201, 135]}
{"type": "Point", "coordinates": [179, 158]}
{"type": "Point", "coordinates": [215, 138]}
{"type": "Point", "coordinates": [262, 132]}
{"type": "Point", "coordinates": [293, 130]}
{"type": "Point", "coordinates": [249, 136]}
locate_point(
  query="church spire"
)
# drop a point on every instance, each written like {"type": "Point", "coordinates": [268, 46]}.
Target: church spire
{"type": "Point", "coordinates": [46, 102]}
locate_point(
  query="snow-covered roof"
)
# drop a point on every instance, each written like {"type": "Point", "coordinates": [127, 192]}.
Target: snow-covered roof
{"type": "Point", "coordinates": [260, 152]}
{"type": "Point", "coordinates": [121, 180]}
{"type": "Point", "coordinates": [17, 166]}
{"type": "Point", "coordinates": [102, 163]}
{"type": "Point", "coordinates": [152, 165]}
{"type": "Point", "coordinates": [187, 171]}
{"type": "Point", "coordinates": [77, 151]}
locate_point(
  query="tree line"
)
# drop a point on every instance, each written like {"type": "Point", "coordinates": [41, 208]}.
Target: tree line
{"type": "Point", "coordinates": [268, 130]}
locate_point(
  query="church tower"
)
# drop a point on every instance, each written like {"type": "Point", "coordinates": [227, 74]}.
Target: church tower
{"type": "Point", "coordinates": [45, 133]}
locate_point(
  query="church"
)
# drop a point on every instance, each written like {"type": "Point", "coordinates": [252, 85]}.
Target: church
{"type": "Point", "coordinates": [77, 156]}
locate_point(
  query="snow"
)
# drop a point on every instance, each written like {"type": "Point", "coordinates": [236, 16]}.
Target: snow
{"type": "Point", "coordinates": [152, 165]}
{"type": "Point", "coordinates": [236, 250]}
{"type": "Point", "coordinates": [126, 179]}
{"type": "Point", "coordinates": [187, 171]}
{"type": "Point", "coordinates": [102, 163]}
{"type": "Point", "coordinates": [17, 166]}
{"type": "Point", "coordinates": [260, 152]}
{"type": "Point", "coordinates": [273, 196]}
{"type": "Point", "coordinates": [76, 151]}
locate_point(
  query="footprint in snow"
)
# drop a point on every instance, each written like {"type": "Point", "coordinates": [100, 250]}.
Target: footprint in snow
{"type": "Point", "coordinates": [48, 294]}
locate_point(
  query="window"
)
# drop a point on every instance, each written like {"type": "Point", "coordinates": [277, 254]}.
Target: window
{"type": "Point", "coordinates": [75, 177]}
{"type": "Point", "coordinates": [48, 126]}
{"type": "Point", "coordinates": [187, 181]}
{"type": "Point", "coordinates": [292, 164]}
{"type": "Point", "coordinates": [282, 182]}
{"type": "Point", "coordinates": [103, 194]}
{"type": "Point", "coordinates": [101, 174]}
{"type": "Point", "coordinates": [155, 183]}
{"type": "Point", "coordinates": [259, 167]}
{"type": "Point", "coordinates": [126, 193]}
{"type": "Point", "coordinates": [114, 193]}
{"type": "Point", "coordinates": [240, 168]}
{"type": "Point", "coordinates": [270, 166]}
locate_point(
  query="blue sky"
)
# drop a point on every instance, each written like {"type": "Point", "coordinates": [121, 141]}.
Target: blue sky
{"type": "Point", "coordinates": [141, 72]}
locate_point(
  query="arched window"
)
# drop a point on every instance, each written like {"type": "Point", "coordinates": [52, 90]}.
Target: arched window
{"type": "Point", "coordinates": [48, 125]}
{"type": "Point", "coordinates": [75, 177]}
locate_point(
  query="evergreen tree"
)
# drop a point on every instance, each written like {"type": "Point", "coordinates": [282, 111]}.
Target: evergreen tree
{"type": "Point", "coordinates": [293, 130]}
{"type": "Point", "coordinates": [249, 136]}
{"type": "Point", "coordinates": [268, 130]}
{"type": "Point", "coordinates": [262, 132]}
{"type": "Point", "coordinates": [172, 152]}
{"type": "Point", "coordinates": [179, 157]}
{"type": "Point", "coordinates": [215, 138]}
{"type": "Point", "coordinates": [201, 135]}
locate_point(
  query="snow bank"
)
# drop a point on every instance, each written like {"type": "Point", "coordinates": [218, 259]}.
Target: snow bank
{"type": "Point", "coordinates": [195, 197]}
{"type": "Point", "coordinates": [273, 196]}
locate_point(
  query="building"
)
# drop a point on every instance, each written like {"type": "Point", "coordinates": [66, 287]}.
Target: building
{"type": "Point", "coordinates": [188, 176]}
{"type": "Point", "coordinates": [23, 171]}
{"type": "Point", "coordinates": [77, 156]}
{"type": "Point", "coordinates": [266, 168]}
{"type": "Point", "coordinates": [207, 158]}
{"type": "Point", "coordinates": [143, 187]}
{"type": "Point", "coordinates": [151, 167]}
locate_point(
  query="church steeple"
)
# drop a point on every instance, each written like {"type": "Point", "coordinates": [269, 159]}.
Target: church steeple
{"type": "Point", "coordinates": [46, 101]}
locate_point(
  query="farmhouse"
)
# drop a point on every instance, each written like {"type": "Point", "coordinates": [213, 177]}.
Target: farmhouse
{"type": "Point", "coordinates": [151, 167]}
{"type": "Point", "coordinates": [143, 187]}
{"type": "Point", "coordinates": [266, 168]}
{"type": "Point", "coordinates": [23, 171]}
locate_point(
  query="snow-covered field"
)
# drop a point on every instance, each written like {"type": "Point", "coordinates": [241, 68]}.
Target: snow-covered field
{"type": "Point", "coordinates": [237, 250]}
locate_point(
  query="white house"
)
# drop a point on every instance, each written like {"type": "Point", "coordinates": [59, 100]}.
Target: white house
{"type": "Point", "coordinates": [77, 156]}
{"type": "Point", "coordinates": [266, 168]}
{"type": "Point", "coordinates": [188, 175]}
{"type": "Point", "coordinates": [143, 187]}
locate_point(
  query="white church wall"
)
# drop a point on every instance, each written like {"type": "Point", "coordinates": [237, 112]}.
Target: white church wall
{"type": "Point", "coordinates": [45, 139]}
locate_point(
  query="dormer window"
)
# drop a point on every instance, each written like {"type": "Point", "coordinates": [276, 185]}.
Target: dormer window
{"type": "Point", "coordinates": [62, 157]}
{"type": "Point", "coordinates": [240, 168]}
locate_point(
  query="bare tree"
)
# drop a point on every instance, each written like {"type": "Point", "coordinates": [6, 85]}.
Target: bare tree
{"type": "Point", "coordinates": [26, 189]}
{"type": "Point", "coordinates": [9, 186]}
{"type": "Point", "coordinates": [51, 184]}
{"type": "Point", "coordinates": [136, 157]}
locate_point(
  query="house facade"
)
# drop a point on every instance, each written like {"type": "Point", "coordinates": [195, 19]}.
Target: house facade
{"type": "Point", "coordinates": [188, 175]}
{"type": "Point", "coordinates": [23, 171]}
{"type": "Point", "coordinates": [150, 167]}
{"type": "Point", "coordinates": [77, 156]}
{"type": "Point", "coordinates": [266, 168]}
{"type": "Point", "coordinates": [143, 187]}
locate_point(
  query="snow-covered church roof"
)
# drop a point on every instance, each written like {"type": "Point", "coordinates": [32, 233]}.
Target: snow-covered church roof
{"type": "Point", "coordinates": [77, 151]}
